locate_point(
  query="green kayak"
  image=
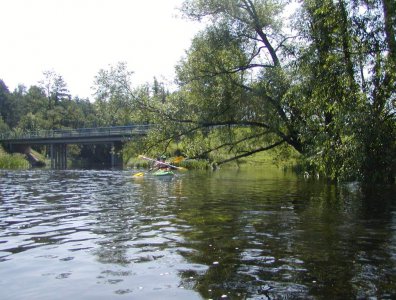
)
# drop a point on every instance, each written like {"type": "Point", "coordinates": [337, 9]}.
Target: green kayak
{"type": "Point", "coordinates": [163, 173]}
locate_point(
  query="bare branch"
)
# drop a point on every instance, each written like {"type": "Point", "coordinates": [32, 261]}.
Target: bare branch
{"type": "Point", "coordinates": [284, 40]}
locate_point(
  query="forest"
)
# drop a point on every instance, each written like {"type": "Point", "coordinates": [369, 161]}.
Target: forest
{"type": "Point", "coordinates": [319, 84]}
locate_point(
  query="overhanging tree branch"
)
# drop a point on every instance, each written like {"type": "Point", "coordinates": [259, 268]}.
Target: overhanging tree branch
{"type": "Point", "coordinates": [232, 144]}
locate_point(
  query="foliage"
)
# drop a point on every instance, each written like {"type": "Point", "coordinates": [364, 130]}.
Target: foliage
{"type": "Point", "coordinates": [55, 88]}
{"type": "Point", "coordinates": [32, 109]}
{"type": "Point", "coordinates": [45, 107]}
{"type": "Point", "coordinates": [248, 85]}
{"type": "Point", "coordinates": [114, 99]}
{"type": "Point", "coordinates": [327, 90]}
{"type": "Point", "coordinates": [3, 126]}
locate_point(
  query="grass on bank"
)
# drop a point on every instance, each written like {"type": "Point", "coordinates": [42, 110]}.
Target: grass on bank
{"type": "Point", "coordinates": [15, 161]}
{"type": "Point", "coordinates": [284, 158]}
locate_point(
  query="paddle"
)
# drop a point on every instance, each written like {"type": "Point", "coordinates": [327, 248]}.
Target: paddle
{"type": "Point", "coordinates": [141, 174]}
{"type": "Point", "coordinates": [160, 162]}
{"type": "Point", "coordinates": [177, 159]}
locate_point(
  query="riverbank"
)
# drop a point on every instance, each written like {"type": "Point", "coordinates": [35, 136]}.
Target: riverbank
{"type": "Point", "coordinates": [15, 161]}
{"type": "Point", "coordinates": [19, 161]}
{"type": "Point", "coordinates": [285, 161]}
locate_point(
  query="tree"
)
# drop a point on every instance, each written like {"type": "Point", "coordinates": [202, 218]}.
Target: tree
{"type": "Point", "coordinates": [234, 77]}
{"type": "Point", "coordinates": [115, 100]}
{"type": "Point", "coordinates": [30, 122]}
{"type": "Point", "coordinates": [55, 88]}
{"type": "Point", "coordinates": [5, 105]}
{"type": "Point", "coordinates": [3, 126]}
{"type": "Point", "coordinates": [312, 94]}
{"type": "Point", "coordinates": [375, 127]}
{"type": "Point", "coordinates": [159, 90]}
{"type": "Point", "coordinates": [35, 100]}
{"type": "Point", "coordinates": [325, 89]}
{"type": "Point", "coordinates": [220, 86]}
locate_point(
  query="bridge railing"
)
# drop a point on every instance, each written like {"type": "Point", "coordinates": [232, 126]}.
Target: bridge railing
{"type": "Point", "coordinates": [80, 132]}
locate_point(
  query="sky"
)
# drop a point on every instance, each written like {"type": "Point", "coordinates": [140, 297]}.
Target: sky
{"type": "Point", "coordinates": [77, 38]}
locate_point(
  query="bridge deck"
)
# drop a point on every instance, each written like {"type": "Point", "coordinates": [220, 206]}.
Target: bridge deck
{"type": "Point", "coordinates": [75, 136]}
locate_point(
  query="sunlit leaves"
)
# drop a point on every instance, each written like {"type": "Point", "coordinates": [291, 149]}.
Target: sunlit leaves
{"type": "Point", "coordinates": [114, 98]}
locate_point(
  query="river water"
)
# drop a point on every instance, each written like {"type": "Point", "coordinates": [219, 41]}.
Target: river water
{"type": "Point", "coordinates": [231, 234]}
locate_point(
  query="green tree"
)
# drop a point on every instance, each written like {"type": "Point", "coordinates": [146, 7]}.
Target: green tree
{"type": "Point", "coordinates": [3, 126]}
{"type": "Point", "coordinates": [35, 100]}
{"type": "Point", "coordinates": [312, 94]}
{"type": "Point", "coordinates": [249, 83]}
{"type": "Point", "coordinates": [114, 98]}
{"type": "Point", "coordinates": [55, 88]}
{"type": "Point", "coordinates": [31, 122]}
{"type": "Point", "coordinates": [236, 79]}
{"type": "Point", "coordinates": [5, 103]}
{"type": "Point", "coordinates": [375, 127]}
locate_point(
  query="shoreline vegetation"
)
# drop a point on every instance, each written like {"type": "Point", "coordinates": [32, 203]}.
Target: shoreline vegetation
{"type": "Point", "coordinates": [274, 158]}
{"type": "Point", "coordinates": [14, 161]}
{"type": "Point", "coordinates": [19, 161]}
{"type": "Point", "coordinates": [290, 161]}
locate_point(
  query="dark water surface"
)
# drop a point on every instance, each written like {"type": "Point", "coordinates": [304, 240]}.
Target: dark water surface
{"type": "Point", "coordinates": [224, 235]}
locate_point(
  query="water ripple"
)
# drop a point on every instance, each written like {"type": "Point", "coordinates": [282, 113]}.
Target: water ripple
{"type": "Point", "coordinates": [217, 236]}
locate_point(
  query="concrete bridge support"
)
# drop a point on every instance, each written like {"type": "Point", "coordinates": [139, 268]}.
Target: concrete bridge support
{"type": "Point", "coordinates": [59, 156]}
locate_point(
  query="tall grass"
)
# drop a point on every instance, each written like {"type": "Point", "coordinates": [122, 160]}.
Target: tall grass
{"type": "Point", "coordinates": [12, 161]}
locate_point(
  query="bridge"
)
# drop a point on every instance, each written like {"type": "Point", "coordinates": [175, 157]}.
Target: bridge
{"type": "Point", "coordinates": [59, 139]}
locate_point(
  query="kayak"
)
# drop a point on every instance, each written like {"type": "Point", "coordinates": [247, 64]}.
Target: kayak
{"type": "Point", "coordinates": [163, 173]}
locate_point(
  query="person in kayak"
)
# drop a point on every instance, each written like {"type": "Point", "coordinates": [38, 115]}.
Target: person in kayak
{"type": "Point", "coordinates": [160, 164]}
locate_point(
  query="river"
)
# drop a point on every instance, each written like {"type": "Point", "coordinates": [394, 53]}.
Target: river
{"type": "Point", "coordinates": [229, 234]}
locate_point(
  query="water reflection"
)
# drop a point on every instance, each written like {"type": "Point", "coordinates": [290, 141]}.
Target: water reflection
{"type": "Point", "coordinates": [223, 235]}
{"type": "Point", "coordinates": [293, 239]}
